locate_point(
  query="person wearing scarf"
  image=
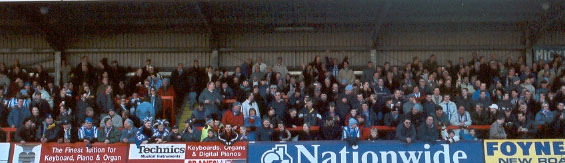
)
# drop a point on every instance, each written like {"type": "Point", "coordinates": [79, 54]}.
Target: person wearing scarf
{"type": "Point", "coordinates": [108, 134]}
{"type": "Point", "coordinates": [67, 134]}
{"type": "Point", "coordinates": [88, 132]}
{"type": "Point", "coordinates": [48, 130]}
{"type": "Point", "coordinates": [351, 133]}
{"type": "Point", "coordinates": [160, 132]}
{"type": "Point", "coordinates": [143, 135]}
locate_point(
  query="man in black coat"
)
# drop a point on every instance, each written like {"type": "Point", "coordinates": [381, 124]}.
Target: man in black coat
{"type": "Point", "coordinates": [427, 131]}
{"type": "Point", "coordinates": [67, 134]}
{"type": "Point", "coordinates": [405, 132]}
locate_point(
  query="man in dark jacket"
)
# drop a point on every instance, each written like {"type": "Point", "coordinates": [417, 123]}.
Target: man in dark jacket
{"type": "Point", "coordinates": [67, 134]}
{"type": "Point", "coordinates": [525, 127]}
{"type": "Point", "coordinates": [405, 132]}
{"type": "Point", "coordinates": [104, 101]}
{"type": "Point", "coordinates": [48, 131]}
{"type": "Point", "coordinates": [331, 130]}
{"type": "Point", "coordinates": [265, 132]}
{"type": "Point", "coordinates": [228, 136]}
{"type": "Point", "coordinates": [428, 132]}
{"type": "Point", "coordinates": [27, 132]}
{"type": "Point", "coordinates": [189, 134]}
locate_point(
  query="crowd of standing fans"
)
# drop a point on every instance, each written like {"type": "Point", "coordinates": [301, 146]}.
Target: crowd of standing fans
{"type": "Point", "coordinates": [97, 102]}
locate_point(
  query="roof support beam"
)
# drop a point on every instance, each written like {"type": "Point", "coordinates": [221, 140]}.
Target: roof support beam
{"type": "Point", "coordinates": [380, 21]}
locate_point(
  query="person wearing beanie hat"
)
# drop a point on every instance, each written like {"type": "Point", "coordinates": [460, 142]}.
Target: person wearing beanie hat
{"type": "Point", "coordinates": [351, 133]}
{"type": "Point", "coordinates": [189, 133]}
{"type": "Point", "coordinates": [67, 134]}
{"type": "Point", "coordinates": [175, 136]}
{"type": "Point", "coordinates": [88, 132]}
{"type": "Point", "coordinates": [48, 130]}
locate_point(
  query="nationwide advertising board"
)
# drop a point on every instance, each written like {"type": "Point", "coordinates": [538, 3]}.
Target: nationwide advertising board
{"type": "Point", "coordinates": [547, 53]}
{"type": "Point", "coordinates": [525, 151]}
{"type": "Point", "coordinates": [365, 151]}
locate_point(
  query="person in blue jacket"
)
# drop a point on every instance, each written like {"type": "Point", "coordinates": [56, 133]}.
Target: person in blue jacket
{"type": "Point", "coordinates": [145, 110]}
{"type": "Point", "coordinates": [145, 133]}
{"type": "Point", "coordinates": [128, 133]}
{"type": "Point", "coordinates": [18, 114]}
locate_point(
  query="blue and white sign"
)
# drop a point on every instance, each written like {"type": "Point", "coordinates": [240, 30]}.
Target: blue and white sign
{"type": "Point", "coordinates": [366, 151]}
{"type": "Point", "coordinates": [546, 53]}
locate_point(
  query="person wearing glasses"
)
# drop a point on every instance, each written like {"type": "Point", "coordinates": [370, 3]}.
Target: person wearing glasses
{"type": "Point", "coordinates": [405, 132]}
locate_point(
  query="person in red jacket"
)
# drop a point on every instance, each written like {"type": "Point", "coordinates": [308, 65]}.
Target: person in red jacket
{"type": "Point", "coordinates": [233, 116]}
{"type": "Point", "coordinates": [167, 90]}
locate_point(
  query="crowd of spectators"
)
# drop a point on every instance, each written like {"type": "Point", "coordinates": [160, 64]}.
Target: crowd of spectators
{"type": "Point", "coordinates": [419, 99]}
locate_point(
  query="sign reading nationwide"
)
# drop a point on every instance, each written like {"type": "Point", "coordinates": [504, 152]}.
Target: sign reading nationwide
{"type": "Point", "coordinates": [547, 53]}
{"type": "Point", "coordinates": [366, 151]}
{"type": "Point", "coordinates": [525, 151]}
{"type": "Point", "coordinates": [79, 152]}
{"type": "Point", "coordinates": [216, 152]}
{"type": "Point", "coordinates": [156, 152]}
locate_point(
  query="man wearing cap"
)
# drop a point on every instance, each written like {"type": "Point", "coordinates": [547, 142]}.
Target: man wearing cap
{"type": "Point", "coordinates": [67, 134]}
{"type": "Point", "coordinates": [108, 133]}
{"type": "Point", "coordinates": [48, 131]}
{"type": "Point", "coordinates": [175, 136]}
{"type": "Point", "coordinates": [189, 133]}
{"type": "Point", "coordinates": [88, 132]}
{"type": "Point", "coordinates": [233, 116]}
{"type": "Point", "coordinates": [116, 119]}
{"type": "Point", "coordinates": [128, 133]}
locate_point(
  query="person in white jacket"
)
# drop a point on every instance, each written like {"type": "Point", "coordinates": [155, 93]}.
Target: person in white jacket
{"type": "Point", "coordinates": [462, 119]}
{"type": "Point", "coordinates": [248, 104]}
{"type": "Point", "coordinates": [449, 107]}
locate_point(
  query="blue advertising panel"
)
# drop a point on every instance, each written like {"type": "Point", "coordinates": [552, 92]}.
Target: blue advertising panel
{"type": "Point", "coordinates": [366, 151]}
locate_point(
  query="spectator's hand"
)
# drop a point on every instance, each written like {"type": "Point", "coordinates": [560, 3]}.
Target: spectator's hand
{"type": "Point", "coordinates": [125, 140]}
{"type": "Point", "coordinates": [293, 126]}
{"type": "Point", "coordinates": [86, 141]}
{"type": "Point", "coordinates": [107, 141]}
{"type": "Point", "coordinates": [159, 140]}
{"type": "Point", "coordinates": [218, 101]}
{"type": "Point", "coordinates": [23, 142]}
{"type": "Point", "coordinates": [67, 141]}
{"type": "Point", "coordinates": [206, 101]}
{"type": "Point", "coordinates": [13, 126]}
{"type": "Point", "coordinates": [145, 142]}
{"type": "Point", "coordinates": [43, 140]}
{"type": "Point", "coordinates": [178, 137]}
{"type": "Point", "coordinates": [408, 140]}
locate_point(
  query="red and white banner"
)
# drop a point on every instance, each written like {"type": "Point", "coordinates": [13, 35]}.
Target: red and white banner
{"type": "Point", "coordinates": [205, 152]}
{"type": "Point", "coordinates": [78, 152]}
